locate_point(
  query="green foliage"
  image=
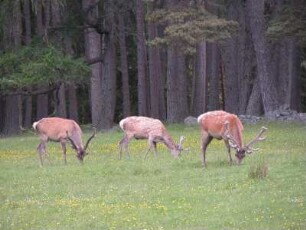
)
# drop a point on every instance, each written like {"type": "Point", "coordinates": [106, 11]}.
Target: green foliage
{"type": "Point", "coordinates": [38, 65]}
{"type": "Point", "coordinates": [159, 193]}
{"type": "Point", "coordinates": [289, 22]}
{"type": "Point", "coordinates": [186, 27]}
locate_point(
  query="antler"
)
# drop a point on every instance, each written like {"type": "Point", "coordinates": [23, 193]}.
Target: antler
{"type": "Point", "coordinates": [72, 142]}
{"type": "Point", "coordinates": [231, 140]}
{"type": "Point", "coordinates": [255, 140]}
{"type": "Point", "coordinates": [180, 144]}
{"type": "Point", "coordinates": [90, 138]}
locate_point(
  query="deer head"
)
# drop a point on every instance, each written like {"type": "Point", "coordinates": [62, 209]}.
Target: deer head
{"type": "Point", "coordinates": [242, 150]}
{"type": "Point", "coordinates": [81, 152]}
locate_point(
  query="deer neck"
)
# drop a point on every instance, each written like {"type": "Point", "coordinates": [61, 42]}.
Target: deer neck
{"type": "Point", "coordinates": [238, 138]}
{"type": "Point", "coordinates": [169, 142]}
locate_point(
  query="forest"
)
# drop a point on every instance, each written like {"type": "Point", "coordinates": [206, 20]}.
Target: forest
{"type": "Point", "coordinates": [98, 61]}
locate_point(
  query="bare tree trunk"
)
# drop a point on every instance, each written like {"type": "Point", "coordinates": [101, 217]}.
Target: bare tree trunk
{"type": "Point", "coordinates": [143, 88]}
{"type": "Point", "coordinates": [93, 51]}
{"type": "Point", "coordinates": [267, 85]}
{"type": "Point", "coordinates": [199, 97]}
{"type": "Point", "coordinates": [230, 58]}
{"type": "Point", "coordinates": [13, 110]}
{"type": "Point", "coordinates": [11, 119]}
{"type": "Point", "coordinates": [28, 99]}
{"type": "Point", "coordinates": [60, 109]}
{"type": "Point", "coordinates": [73, 102]}
{"type": "Point", "coordinates": [255, 101]}
{"type": "Point", "coordinates": [294, 94]}
{"type": "Point", "coordinates": [124, 68]}
{"type": "Point", "coordinates": [177, 108]}
{"type": "Point", "coordinates": [213, 70]}
{"type": "Point", "coordinates": [246, 60]}
{"type": "Point", "coordinates": [2, 113]}
{"type": "Point", "coordinates": [71, 88]}
{"type": "Point", "coordinates": [108, 80]}
{"type": "Point", "coordinates": [157, 97]}
{"type": "Point", "coordinates": [42, 103]}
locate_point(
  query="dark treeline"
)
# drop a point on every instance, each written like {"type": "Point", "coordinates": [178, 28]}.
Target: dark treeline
{"type": "Point", "coordinates": [99, 61]}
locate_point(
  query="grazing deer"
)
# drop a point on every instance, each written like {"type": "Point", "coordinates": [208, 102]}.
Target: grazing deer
{"type": "Point", "coordinates": [139, 127]}
{"type": "Point", "coordinates": [60, 130]}
{"type": "Point", "coordinates": [226, 126]}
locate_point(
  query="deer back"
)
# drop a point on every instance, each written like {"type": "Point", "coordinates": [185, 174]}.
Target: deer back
{"type": "Point", "coordinates": [142, 127]}
{"type": "Point", "coordinates": [214, 122]}
{"type": "Point", "coordinates": [145, 127]}
{"type": "Point", "coordinates": [56, 129]}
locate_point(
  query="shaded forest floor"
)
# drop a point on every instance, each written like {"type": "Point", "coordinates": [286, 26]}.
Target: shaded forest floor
{"type": "Point", "coordinates": [158, 193]}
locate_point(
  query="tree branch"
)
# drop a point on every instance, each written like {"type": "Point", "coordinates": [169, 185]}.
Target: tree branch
{"type": "Point", "coordinates": [30, 92]}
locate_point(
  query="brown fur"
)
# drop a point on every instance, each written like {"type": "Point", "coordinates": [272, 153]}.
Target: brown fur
{"type": "Point", "coordinates": [59, 130]}
{"type": "Point", "coordinates": [140, 127]}
{"type": "Point", "coordinates": [212, 125]}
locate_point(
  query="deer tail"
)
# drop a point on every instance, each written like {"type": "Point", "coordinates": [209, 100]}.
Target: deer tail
{"type": "Point", "coordinates": [35, 125]}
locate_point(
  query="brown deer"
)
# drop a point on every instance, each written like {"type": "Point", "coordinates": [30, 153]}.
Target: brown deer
{"type": "Point", "coordinates": [226, 126]}
{"type": "Point", "coordinates": [139, 127]}
{"type": "Point", "coordinates": [60, 130]}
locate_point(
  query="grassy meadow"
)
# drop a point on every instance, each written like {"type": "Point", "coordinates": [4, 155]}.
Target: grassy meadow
{"type": "Point", "coordinates": [268, 191]}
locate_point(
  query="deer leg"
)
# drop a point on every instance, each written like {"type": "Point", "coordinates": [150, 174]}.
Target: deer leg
{"type": "Point", "coordinates": [230, 161]}
{"type": "Point", "coordinates": [206, 139]}
{"type": "Point", "coordinates": [150, 144]}
{"type": "Point", "coordinates": [123, 145]}
{"type": "Point", "coordinates": [63, 144]}
{"type": "Point", "coordinates": [155, 148]}
{"type": "Point", "coordinates": [41, 148]}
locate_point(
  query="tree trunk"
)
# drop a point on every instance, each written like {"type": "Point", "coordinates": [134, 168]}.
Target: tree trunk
{"type": "Point", "coordinates": [177, 108]}
{"type": "Point", "coordinates": [11, 119]}
{"type": "Point", "coordinates": [126, 103]}
{"type": "Point", "coordinates": [60, 110]}
{"type": "Point", "coordinates": [157, 96]}
{"type": "Point", "coordinates": [267, 85]}
{"type": "Point", "coordinates": [199, 97]}
{"type": "Point", "coordinates": [294, 67]}
{"type": "Point", "coordinates": [73, 103]}
{"type": "Point", "coordinates": [93, 51]}
{"type": "Point", "coordinates": [71, 88]}
{"type": "Point", "coordinates": [230, 59]}
{"type": "Point", "coordinates": [246, 60]}
{"type": "Point", "coordinates": [42, 103]}
{"type": "Point", "coordinates": [2, 113]}
{"type": "Point", "coordinates": [108, 80]}
{"type": "Point", "coordinates": [13, 110]}
{"type": "Point", "coordinates": [143, 88]}
{"type": "Point", "coordinates": [255, 102]}
{"type": "Point", "coordinates": [213, 71]}
{"type": "Point", "coordinates": [28, 99]}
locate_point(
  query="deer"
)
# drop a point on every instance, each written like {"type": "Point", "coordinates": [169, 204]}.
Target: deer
{"type": "Point", "coordinates": [61, 130]}
{"type": "Point", "coordinates": [140, 127]}
{"type": "Point", "coordinates": [222, 125]}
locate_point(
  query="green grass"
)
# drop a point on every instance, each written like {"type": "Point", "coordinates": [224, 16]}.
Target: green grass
{"type": "Point", "coordinates": [159, 193]}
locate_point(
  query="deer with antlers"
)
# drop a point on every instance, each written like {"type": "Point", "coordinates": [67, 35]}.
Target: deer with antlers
{"type": "Point", "coordinates": [61, 130]}
{"type": "Point", "coordinates": [140, 127]}
{"type": "Point", "coordinates": [226, 126]}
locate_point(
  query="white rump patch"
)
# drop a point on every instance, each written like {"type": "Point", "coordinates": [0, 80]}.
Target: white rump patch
{"type": "Point", "coordinates": [200, 118]}
{"type": "Point", "coordinates": [35, 124]}
{"type": "Point", "coordinates": [121, 123]}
